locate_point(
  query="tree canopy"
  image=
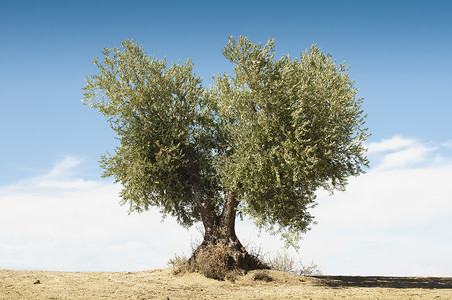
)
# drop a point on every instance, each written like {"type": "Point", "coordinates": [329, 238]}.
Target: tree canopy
{"type": "Point", "coordinates": [259, 142]}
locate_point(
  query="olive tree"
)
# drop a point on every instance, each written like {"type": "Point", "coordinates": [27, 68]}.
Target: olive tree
{"type": "Point", "coordinates": [259, 142]}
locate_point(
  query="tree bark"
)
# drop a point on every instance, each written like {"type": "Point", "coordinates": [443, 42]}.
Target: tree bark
{"type": "Point", "coordinates": [227, 219]}
{"type": "Point", "coordinates": [222, 237]}
{"type": "Point", "coordinates": [219, 231]}
{"type": "Point", "coordinates": [206, 210]}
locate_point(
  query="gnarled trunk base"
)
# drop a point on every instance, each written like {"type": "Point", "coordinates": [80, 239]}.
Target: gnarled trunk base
{"type": "Point", "coordinates": [220, 254]}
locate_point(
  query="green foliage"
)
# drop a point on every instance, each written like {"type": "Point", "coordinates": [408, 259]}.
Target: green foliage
{"type": "Point", "coordinates": [295, 125]}
{"type": "Point", "coordinates": [271, 134]}
{"type": "Point", "coordinates": [158, 112]}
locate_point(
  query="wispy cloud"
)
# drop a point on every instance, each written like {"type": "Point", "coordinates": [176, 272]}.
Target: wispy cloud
{"type": "Point", "coordinates": [400, 153]}
{"type": "Point", "coordinates": [64, 167]}
{"type": "Point", "coordinates": [410, 156]}
{"type": "Point", "coordinates": [394, 143]}
{"type": "Point", "coordinates": [60, 178]}
{"type": "Point", "coordinates": [447, 144]}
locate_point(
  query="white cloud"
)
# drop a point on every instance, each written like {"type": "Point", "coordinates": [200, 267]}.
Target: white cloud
{"type": "Point", "coordinates": [407, 157]}
{"type": "Point", "coordinates": [394, 220]}
{"type": "Point", "coordinates": [63, 167]}
{"type": "Point", "coordinates": [447, 144]}
{"type": "Point", "coordinates": [399, 152]}
{"type": "Point", "coordinates": [391, 144]}
{"type": "Point", "coordinates": [58, 221]}
{"type": "Point", "coordinates": [59, 179]}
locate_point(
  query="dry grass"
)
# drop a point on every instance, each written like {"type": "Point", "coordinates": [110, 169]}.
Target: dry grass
{"type": "Point", "coordinates": [263, 276]}
{"type": "Point", "coordinates": [282, 261]}
{"type": "Point", "coordinates": [212, 263]}
{"type": "Point", "coordinates": [163, 284]}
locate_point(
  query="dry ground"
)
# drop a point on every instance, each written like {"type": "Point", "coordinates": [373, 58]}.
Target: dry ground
{"type": "Point", "coordinates": [162, 284]}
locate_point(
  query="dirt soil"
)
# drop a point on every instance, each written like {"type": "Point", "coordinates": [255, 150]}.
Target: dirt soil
{"type": "Point", "coordinates": [162, 284]}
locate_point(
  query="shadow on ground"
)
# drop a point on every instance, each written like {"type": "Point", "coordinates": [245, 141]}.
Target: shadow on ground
{"type": "Point", "coordinates": [386, 282]}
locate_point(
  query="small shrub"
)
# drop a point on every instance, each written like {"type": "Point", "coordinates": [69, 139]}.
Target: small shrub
{"type": "Point", "coordinates": [311, 270]}
{"type": "Point", "coordinates": [282, 262]}
{"type": "Point", "coordinates": [286, 263]}
{"type": "Point", "coordinates": [179, 263]}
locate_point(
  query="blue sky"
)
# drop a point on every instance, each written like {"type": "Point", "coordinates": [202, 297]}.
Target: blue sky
{"type": "Point", "coordinates": [399, 53]}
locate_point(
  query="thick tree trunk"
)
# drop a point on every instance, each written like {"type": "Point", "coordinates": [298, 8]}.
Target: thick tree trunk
{"type": "Point", "coordinates": [221, 243]}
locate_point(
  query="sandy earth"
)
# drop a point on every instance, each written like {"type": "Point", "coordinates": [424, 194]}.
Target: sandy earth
{"type": "Point", "coordinates": [162, 284]}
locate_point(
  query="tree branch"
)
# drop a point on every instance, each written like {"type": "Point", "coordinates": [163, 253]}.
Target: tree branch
{"type": "Point", "coordinates": [206, 210]}
{"type": "Point", "coordinates": [228, 215]}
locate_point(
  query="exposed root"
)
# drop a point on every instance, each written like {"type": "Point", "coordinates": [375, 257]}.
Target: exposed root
{"type": "Point", "coordinates": [223, 261]}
